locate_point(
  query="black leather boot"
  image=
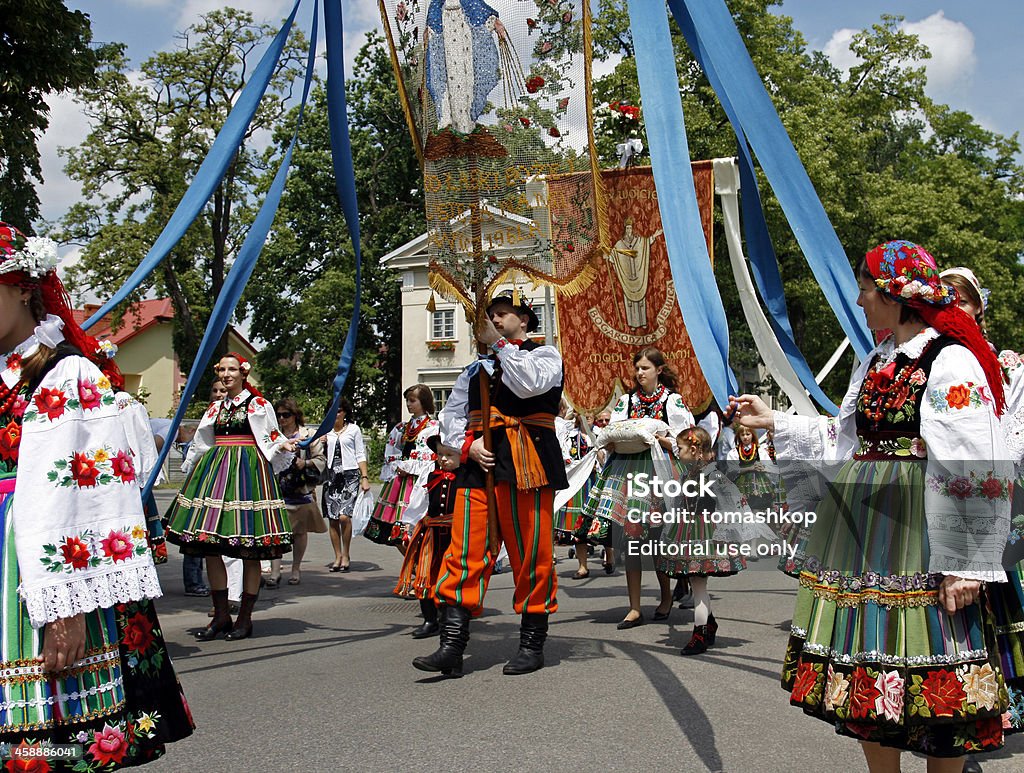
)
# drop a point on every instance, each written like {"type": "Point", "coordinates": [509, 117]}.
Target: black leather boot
{"type": "Point", "coordinates": [221, 622]}
{"type": "Point", "coordinates": [430, 626]}
{"type": "Point", "coordinates": [698, 642]}
{"type": "Point", "coordinates": [454, 637]}
{"type": "Point", "coordinates": [533, 631]}
{"type": "Point", "coordinates": [243, 624]}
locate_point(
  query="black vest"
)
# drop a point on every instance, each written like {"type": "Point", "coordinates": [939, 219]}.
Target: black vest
{"type": "Point", "coordinates": [544, 440]}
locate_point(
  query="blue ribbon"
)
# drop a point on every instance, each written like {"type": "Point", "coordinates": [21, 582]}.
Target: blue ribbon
{"type": "Point", "coordinates": [694, 278]}
{"type": "Point", "coordinates": [763, 262]}
{"type": "Point", "coordinates": [345, 181]}
{"type": "Point", "coordinates": [241, 270]}
{"type": "Point", "coordinates": [725, 54]}
{"type": "Point", "coordinates": [211, 171]}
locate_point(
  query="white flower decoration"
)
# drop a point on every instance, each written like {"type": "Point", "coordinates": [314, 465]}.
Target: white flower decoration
{"type": "Point", "coordinates": [38, 258]}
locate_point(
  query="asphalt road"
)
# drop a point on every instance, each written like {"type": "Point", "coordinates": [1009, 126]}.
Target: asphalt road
{"type": "Point", "coordinates": [327, 683]}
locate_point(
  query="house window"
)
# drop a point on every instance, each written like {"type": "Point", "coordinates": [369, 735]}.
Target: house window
{"type": "Point", "coordinates": [442, 324]}
{"type": "Point", "coordinates": [542, 313]}
{"type": "Point", "coordinates": [441, 397]}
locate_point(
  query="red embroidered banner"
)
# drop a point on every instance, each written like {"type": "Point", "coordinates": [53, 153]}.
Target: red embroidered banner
{"type": "Point", "coordinates": [632, 303]}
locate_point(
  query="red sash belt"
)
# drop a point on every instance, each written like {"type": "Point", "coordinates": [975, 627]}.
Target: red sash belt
{"type": "Point", "coordinates": [529, 471]}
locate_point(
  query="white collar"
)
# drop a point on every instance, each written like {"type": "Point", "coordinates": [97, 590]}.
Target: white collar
{"type": "Point", "coordinates": [48, 332]}
{"type": "Point", "coordinates": [913, 348]}
{"type": "Point", "coordinates": [239, 398]}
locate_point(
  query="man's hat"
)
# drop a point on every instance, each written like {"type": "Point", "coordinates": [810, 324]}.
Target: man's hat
{"type": "Point", "coordinates": [521, 307]}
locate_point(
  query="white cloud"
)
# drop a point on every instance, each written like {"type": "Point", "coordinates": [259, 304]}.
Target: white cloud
{"type": "Point", "coordinates": [952, 64]}
{"type": "Point", "coordinates": [68, 127]}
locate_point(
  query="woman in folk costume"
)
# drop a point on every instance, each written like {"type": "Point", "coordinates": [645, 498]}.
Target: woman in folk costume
{"type": "Point", "coordinates": [408, 460]}
{"type": "Point", "coordinates": [230, 504]}
{"type": "Point", "coordinates": [430, 538]}
{"type": "Point", "coordinates": [752, 478]}
{"type": "Point", "coordinates": [649, 418]}
{"type": "Point", "coordinates": [891, 636]}
{"type": "Point", "coordinates": [81, 652]}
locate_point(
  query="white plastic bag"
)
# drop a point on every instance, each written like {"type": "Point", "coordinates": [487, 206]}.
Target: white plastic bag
{"type": "Point", "coordinates": [361, 512]}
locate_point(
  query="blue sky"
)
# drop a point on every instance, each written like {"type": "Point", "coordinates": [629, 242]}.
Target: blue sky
{"type": "Point", "coordinates": [977, 59]}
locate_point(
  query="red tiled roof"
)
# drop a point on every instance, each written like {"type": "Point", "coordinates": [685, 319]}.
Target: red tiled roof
{"type": "Point", "coordinates": [140, 317]}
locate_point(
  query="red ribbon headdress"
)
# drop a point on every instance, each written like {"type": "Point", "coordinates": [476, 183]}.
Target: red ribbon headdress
{"type": "Point", "coordinates": [907, 273]}
{"type": "Point", "coordinates": [31, 263]}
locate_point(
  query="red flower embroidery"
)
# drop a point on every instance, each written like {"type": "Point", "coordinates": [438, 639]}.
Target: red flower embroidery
{"type": "Point", "coordinates": [524, 121]}
{"type": "Point", "coordinates": [51, 402]}
{"type": "Point", "coordinates": [990, 733]}
{"type": "Point", "coordinates": [862, 693]}
{"type": "Point", "coordinates": [992, 488]}
{"type": "Point", "coordinates": [118, 546]}
{"type": "Point", "coordinates": [89, 394]}
{"type": "Point", "coordinates": [960, 487]}
{"type": "Point", "coordinates": [14, 361]}
{"type": "Point", "coordinates": [18, 409]}
{"type": "Point", "coordinates": [806, 677]}
{"type": "Point", "coordinates": [958, 397]}
{"type": "Point", "coordinates": [109, 746]}
{"type": "Point", "coordinates": [534, 84]}
{"type": "Point", "coordinates": [138, 633]}
{"type": "Point", "coordinates": [553, 132]}
{"type": "Point", "coordinates": [75, 552]}
{"type": "Point", "coordinates": [124, 467]}
{"type": "Point", "coordinates": [274, 434]}
{"type": "Point", "coordinates": [83, 470]}
{"type": "Point", "coordinates": [27, 764]}
{"type": "Point", "coordinates": [943, 693]}
{"type": "Point", "coordinates": [10, 439]}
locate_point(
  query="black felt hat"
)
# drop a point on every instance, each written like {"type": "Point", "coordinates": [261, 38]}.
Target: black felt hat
{"type": "Point", "coordinates": [523, 307]}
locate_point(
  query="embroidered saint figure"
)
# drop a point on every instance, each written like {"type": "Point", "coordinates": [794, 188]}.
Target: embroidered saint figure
{"type": "Point", "coordinates": [631, 257]}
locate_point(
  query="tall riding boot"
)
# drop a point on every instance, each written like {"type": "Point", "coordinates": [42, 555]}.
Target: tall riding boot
{"type": "Point", "coordinates": [243, 623]}
{"type": "Point", "coordinates": [221, 622]}
{"type": "Point", "coordinates": [533, 631]}
{"type": "Point", "coordinates": [454, 637]}
{"type": "Point", "coordinates": [430, 626]}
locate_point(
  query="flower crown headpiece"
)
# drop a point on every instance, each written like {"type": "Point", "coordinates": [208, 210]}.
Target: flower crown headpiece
{"type": "Point", "coordinates": [907, 273]}
{"type": "Point", "coordinates": [34, 255]}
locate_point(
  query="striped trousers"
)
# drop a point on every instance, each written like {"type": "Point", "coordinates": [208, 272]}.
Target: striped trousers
{"type": "Point", "coordinates": [525, 520]}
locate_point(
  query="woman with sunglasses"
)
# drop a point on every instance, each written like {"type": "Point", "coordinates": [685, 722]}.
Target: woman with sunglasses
{"type": "Point", "coordinates": [298, 483]}
{"type": "Point", "coordinates": [347, 475]}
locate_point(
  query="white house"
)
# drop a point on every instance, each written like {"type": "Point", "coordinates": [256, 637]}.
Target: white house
{"type": "Point", "coordinates": [437, 345]}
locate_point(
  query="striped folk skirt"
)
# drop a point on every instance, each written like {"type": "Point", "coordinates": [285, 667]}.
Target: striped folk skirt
{"type": "Point", "coordinates": [396, 505]}
{"type": "Point", "coordinates": [569, 518]}
{"type": "Point", "coordinates": [122, 702]}
{"type": "Point", "coordinates": [230, 505]}
{"type": "Point", "coordinates": [424, 557]}
{"type": "Point", "coordinates": [870, 649]}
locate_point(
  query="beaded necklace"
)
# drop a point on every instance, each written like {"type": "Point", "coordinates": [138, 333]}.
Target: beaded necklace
{"type": "Point", "coordinates": [9, 397]}
{"type": "Point", "coordinates": [747, 453]}
{"type": "Point", "coordinates": [647, 406]}
{"type": "Point", "coordinates": [413, 429]}
{"type": "Point", "coordinates": [884, 390]}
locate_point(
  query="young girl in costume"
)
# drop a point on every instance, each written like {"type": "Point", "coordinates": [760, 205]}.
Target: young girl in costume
{"type": "Point", "coordinates": [230, 503]}
{"type": "Point", "coordinates": [657, 415]}
{"type": "Point", "coordinates": [81, 651]}
{"type": "Point", "coordinates": [408, 461]}
{"type": "Point", "coordinates": [890, 636]}
{"type": "Point", "coordinates": [431, 537]}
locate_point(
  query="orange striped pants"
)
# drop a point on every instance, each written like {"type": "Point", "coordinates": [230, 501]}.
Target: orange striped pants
{"type": "Point", "coordinates": [525, 520]}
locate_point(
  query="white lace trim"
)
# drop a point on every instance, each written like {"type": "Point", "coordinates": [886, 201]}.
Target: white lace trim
{"type": "Point", "coordinates": [980, 576]}
{"type": "Point", "coordinates": [49, 603]}
{"type": "Point", "coordinates": [912, 348]}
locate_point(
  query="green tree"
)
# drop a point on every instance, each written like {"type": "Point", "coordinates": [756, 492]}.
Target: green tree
{"type": "Point", "coordinates": [44, 49]}
{"type": "Point", "coordinates": [147, 138]}
{"type": "Point", "coordinates": [302, 304]}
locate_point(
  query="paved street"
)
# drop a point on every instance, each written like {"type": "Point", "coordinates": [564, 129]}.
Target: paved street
{"type": "Point", "coordinates": [327, 682]}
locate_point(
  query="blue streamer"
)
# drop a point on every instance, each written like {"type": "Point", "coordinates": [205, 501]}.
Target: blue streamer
{"type": "Point", "coordinates": [241, 269]}
{"type": "Point", "coordinates": [345, 181]}
{"type": "Point", "coordinates": [763, 261]}
{"type": "Point", "coordinates": [694, 278]}
{"type": "Point", "coordinates": [211, 171]}
{"type": "Point", "coordinates": [725, 53]}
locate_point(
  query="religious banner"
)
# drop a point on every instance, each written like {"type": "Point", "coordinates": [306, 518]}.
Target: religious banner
{"type": "Point", "coordinates": [632, 302]}
{"type": "Point", "coordinates": [497, 97]}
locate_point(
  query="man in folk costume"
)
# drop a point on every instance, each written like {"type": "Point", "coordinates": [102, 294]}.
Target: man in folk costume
{"type": "Point", "coordinates": [525, 458]}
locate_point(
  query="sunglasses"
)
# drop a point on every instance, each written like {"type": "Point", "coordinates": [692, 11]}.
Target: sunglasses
{"type": "Point", "coordinates": [285, 415]}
